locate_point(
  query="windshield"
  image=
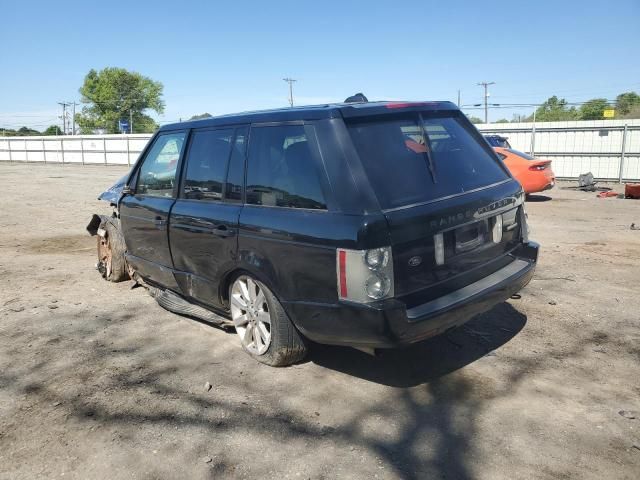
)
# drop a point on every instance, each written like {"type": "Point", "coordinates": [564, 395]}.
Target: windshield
{"type": "Point", "coordinates": [423, 156]}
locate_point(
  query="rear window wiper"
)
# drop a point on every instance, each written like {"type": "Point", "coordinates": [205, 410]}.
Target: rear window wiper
{"type": "Point", "coordinates": [427, 151]}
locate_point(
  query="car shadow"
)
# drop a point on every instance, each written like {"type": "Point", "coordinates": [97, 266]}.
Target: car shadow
{"type": "Point", "coordinates": [428, 360]}
{"type": "Point", "coordinates": [538, 198]}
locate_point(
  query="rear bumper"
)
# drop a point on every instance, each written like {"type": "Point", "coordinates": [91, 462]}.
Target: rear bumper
{"type": "Point", "coordinates": [391, 324]}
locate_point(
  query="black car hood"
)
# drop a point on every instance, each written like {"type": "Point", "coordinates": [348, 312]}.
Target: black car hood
{"type": "Point", "coordinates": [114, 192]}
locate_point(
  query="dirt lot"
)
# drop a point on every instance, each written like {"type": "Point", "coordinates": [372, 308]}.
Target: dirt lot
{"type": "Point", "coordinates": [98, 381]}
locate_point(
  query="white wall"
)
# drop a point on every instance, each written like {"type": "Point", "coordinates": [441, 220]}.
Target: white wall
{"type": "Point", "coordinates": [578, 147]}
{"type": "Point", "coordinates": [575, 147]}
{"type": "Point", "coordinates": [87, 149]}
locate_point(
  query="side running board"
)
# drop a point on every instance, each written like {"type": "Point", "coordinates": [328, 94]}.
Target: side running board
{"type": "Point", "coordinates": [176, 304]}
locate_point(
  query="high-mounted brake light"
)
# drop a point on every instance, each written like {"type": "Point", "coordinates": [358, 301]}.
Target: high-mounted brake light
{"type": "Point", "coordinates": [407, 104]}
{"type": "Point", "coordinates": [364, 275]}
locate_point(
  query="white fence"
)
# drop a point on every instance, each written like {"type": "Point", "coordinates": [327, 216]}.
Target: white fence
{"type": "Point", "coordinates": [76, 149]}
{"type": "Point", "coordinates": [610, 149]}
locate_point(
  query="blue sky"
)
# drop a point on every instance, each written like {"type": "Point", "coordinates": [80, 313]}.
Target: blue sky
{"type": "Point", "coordinates": [221, 57]}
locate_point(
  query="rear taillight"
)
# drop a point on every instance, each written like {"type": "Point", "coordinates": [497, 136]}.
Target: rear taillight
{"type": "Point", "coordinates": [438, 248]}
{"type": "Point", "coordinates": [524, 225]}
{"type": "Point", "coordinates": [364, 275]}
{"type": "Point", "coordinates": [537, 168]}
{"type": "Point", "coordinates": [496, 229]}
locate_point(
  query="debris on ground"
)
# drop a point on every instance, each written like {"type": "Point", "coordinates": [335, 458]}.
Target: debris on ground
{"type": "Point", "coordinates": [628, 414]}
{"type": "Point", "coordinates": [632, 190]}
{"type": "Point", "coordinates": [607, 194]}
{"type": "Point", "coordinates": [207, 459]}
{"type": "Point", "coordinates": [207, 386]}
{"type": "Point", "coordinates": [587, 183]}
{"type": "Point", "coordinates": [634, 227]}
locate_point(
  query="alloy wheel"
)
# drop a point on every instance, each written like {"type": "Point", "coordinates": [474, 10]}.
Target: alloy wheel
{"type": "Point", "coordinates": [250, 315]}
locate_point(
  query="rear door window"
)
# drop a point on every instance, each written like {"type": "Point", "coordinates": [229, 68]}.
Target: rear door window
{"type": "Point", "coordinates": [207, 163]}
{"type": "Point", "coordinates": [281, 171]}
{"type": "Point", "coordinates": [421, 157]}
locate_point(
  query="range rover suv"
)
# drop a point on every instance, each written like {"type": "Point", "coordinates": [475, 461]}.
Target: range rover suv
{"type": "Point", "coordinates": [369, 224]}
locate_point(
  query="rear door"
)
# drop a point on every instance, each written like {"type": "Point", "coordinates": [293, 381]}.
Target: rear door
{"type": "Point", "coordinates": [203, 229]}
{"type": "Point", "coordinates": [144, 214]}
{"type": "Point", "coordinates": [444, 193]}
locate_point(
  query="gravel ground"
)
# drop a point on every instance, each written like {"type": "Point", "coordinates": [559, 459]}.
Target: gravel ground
{"type": "Point", "coordinates": [98, 381]}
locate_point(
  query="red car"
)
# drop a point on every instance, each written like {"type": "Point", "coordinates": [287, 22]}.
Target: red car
{"type": "Point", "coordinates": [534, 175]}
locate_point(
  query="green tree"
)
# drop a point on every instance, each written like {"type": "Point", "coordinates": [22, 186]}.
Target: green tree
{"type": "Point", "coordinates": [625, 102]}
{"type": "Point", "coordinates": [27, 132]}
{"type": "Point", "coordinates": [53, 130]}
{"type": "Point", "coordinates": [555, 110]}
{"type": "Point", "coordinates": [475, 120]}
{"type": "Point", "coordinates": [593, 109]}
{"type": "Point", "coordinates": [502, 120]}
{"type": "Point", "coordinates": [634, 112]}
{"type": "Point", "coordinates": [201, 116]}
{"type": "Point", "coordinates": [113, 94]}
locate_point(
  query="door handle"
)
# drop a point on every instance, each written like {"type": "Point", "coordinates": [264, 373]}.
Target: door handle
{"type": "Point", "coordinates": [223, 231]}
{"type": "Point", "coordinates": [159, 222]}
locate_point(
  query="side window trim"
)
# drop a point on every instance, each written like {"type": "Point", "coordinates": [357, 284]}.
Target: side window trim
{"type": "Point", "coordinates": [134, 179]}
{"type": "Point", "coordinates": [247, 132]}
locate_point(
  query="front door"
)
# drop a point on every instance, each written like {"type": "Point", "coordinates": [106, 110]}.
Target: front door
{"type": "Point", "coordinates": [144, 214]}
{"type": "Point", "coordinates": [203, 228]}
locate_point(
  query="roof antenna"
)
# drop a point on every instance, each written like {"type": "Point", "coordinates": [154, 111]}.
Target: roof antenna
{"type": "Point", "coordinates": [357, 98]}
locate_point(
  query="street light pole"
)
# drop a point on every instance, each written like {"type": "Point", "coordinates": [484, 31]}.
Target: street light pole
{"type": "Point", "coordinates": [486, 97]}
{"type": "Point", "coordinates": [290, 82]}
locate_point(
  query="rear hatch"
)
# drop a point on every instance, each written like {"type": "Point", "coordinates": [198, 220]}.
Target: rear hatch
{"type": "Point", "coordinates": [451, 206]}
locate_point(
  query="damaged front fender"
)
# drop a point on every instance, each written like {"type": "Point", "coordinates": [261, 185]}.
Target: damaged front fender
{"type": "Point", "coordinates": [97, 222]}
{"type": "Point", "coordinates": [115, 191]}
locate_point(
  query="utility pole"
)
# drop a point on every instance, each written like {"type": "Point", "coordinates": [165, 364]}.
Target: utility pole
{"type": "Point", "coordinates": [486, 98]}
{"type": "Point", "coordinates": [64, 116]}
{"type": "Point", "coordinates": [290, 82]}
{"type": "Point", "coordinates": [458, 98]}
{"type": "Point", "coordinates": [73, 120]}
{"type": "Point", "coordinates": [130, 121]}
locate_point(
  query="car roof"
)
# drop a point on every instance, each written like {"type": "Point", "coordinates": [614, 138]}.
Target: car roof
{"type": "Point", "coordinates": [312, 112]}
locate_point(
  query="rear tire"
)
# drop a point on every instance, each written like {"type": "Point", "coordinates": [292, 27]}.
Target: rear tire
{"type": "Point", "coordinates": [264, 328]}
{"type": "Point", "coordinates": [112, 264]}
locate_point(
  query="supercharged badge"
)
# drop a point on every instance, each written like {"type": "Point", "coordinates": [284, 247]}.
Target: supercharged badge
{"type": "Point", "coordinates": [498, 205]}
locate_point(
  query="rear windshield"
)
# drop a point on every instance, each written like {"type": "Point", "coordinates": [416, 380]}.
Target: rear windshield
{"type": "Point", "coordinates": [526, 156]}
{"type": "Point", "coordinates": [423, 156]}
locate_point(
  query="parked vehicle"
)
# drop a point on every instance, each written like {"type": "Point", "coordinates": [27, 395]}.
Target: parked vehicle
{"type": "Point", "coordinates": [497, 141]}
{"type": "Point", "coordinates": [371, 225]}
{"type": "Point", "coordinates": [535, 175]}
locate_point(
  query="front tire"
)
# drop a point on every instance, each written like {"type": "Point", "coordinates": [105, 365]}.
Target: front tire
{"type": "Point", "coordinates": [111, 249]}
{"type": "Point", "coordinates": [264, 328]}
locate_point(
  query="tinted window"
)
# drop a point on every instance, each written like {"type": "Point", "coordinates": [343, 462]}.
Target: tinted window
{"type": "Point", "coordinates": [420, 157]}
{"type": "Point", "coordinates": [281, 171]}
{"type": "Point", "coordinates": [206, 164]}
{"type": "Point", "coordinates": [158, 171]}
{"type": "Point", "coordinates": [235, 176]}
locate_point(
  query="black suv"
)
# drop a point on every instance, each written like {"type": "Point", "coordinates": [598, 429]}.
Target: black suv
{"type": "Point", "coordinates": [372, 225]}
